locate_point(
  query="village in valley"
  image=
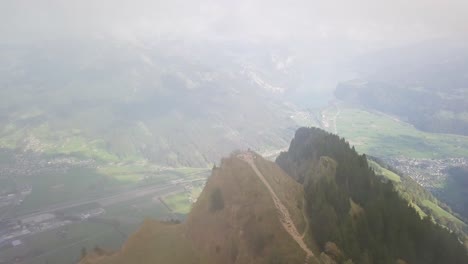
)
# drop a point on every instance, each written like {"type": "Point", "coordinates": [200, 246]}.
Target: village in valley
{"type": "Point", "coordinates": [27, 213]}
{"type": "Point", "coordinates": [429, 173]}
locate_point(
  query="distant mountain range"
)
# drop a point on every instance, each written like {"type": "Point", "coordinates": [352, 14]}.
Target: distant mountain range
{"type": "Point", "coordinates": [170, 104]}
{"type": "Point", "coordinates": [425, 85]}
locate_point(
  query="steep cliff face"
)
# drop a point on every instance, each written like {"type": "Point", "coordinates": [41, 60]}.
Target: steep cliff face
{"type": "Point", "coordinates": [244, 215]}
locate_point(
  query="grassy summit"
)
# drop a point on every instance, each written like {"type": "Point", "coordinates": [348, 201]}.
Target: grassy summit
{"type": "Point", "coordinates": [233, 221]}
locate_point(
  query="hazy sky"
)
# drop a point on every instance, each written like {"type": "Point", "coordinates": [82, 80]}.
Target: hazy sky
{"type": "Point", "coordinates": [371, 23]}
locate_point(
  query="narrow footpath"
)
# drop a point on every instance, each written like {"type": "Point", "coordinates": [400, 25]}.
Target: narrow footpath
{"type": "Point", "coordinates": [284, 216]}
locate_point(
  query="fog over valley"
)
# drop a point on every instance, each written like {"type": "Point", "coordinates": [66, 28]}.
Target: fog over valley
{"type": "Point", "coordinates": [233, 131]}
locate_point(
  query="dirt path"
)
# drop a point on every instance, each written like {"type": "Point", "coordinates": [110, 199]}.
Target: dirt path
{"type": "Point", "coordinates": [284, 216]}
{"type": "Point", "coordinates": [306, 220]}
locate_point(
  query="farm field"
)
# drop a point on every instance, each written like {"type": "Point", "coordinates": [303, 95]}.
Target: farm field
{"type": "Point", "coordinates": [179, 202]}
{"type": "Point", "coordinates": [64, 245]}
{"type": "Point", "coordinates": [379, 170]}
{"type": "Point", "coordinates": [108, 230]}
{"type": "Point", "coordinates": [182, 202]}
{"type": "Point", "coordinates": [440, 212]}
{"type": "Point", "coordinates": [382, 135]}
{"type": "Point", "coordinates": [63, 185]}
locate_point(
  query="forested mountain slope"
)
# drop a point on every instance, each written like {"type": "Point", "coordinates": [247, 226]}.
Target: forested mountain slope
{"type": "Point", "coordinates": [349, 205]}
{"type": "Point", "coordinates": [426, 204]}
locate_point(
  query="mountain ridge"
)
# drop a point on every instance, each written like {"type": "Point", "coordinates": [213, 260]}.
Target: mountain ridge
{"type": "Point", "coordinates": [235, 220]}
{"type": "Point", "coordinates": [320, 203]}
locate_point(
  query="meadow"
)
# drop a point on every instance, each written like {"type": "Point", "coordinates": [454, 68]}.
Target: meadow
{"type": "Point", "coordinates": [180, 202]}
{"type": "Point", "coordinates": [54, 248]}
{"type": "Point", "coordinates": [385, 136]}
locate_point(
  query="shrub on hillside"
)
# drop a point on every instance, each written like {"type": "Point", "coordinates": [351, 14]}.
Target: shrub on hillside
{"type": "Point", "coordinates": [217, 201]}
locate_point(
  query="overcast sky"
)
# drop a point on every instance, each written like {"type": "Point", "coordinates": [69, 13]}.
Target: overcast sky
{"type": "Point", "coordinates": [372, 23]}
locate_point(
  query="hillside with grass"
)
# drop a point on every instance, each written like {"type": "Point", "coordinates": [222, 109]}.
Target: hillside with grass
{"type": "Point", "coordinates": [426, 204]}
{"type": "Point", "coordinates": [235, 220]}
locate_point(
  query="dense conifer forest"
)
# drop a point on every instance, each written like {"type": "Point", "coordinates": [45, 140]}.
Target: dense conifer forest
{"type": "Point", "coordinates": [364, 216]}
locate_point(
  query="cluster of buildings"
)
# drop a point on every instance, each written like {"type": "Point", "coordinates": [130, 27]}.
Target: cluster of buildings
{"type": "Point", "coordinates": [429, 173]}
{"type": "Point", "coordinates": [29, 164]}
{"type": "Point", "coordinates": [188, 189]}
{"type": "Point", "coordinates": [13, 231]}
{"type": "Point", "coordinates": [14, 198]}
{"type": "Point", "coordinates": [25, 165]}
{"type": "Point", "coordinates": [92, 213]}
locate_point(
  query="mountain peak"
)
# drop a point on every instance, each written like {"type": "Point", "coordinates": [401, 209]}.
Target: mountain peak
{"type": "Point", "coordinates": [249, 212]}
